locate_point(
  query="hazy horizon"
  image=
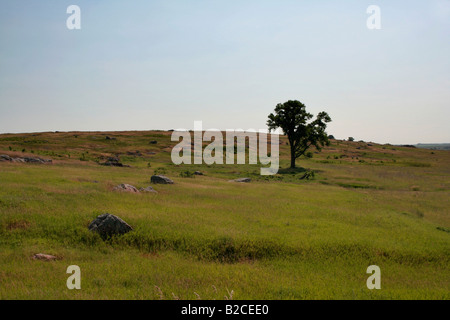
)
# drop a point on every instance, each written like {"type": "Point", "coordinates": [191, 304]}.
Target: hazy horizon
{"type": "Point", "coordinates": [164, 64]}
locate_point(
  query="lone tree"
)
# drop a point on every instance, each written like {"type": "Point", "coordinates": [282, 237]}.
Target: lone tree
{"type": "Point", "coordinates": [292, 118]}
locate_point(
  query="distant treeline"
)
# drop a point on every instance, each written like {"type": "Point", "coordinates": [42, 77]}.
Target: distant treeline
{"type": "Point", "coordinates": [434, 146]}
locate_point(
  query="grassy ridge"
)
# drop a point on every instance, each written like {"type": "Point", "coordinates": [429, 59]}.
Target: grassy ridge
{"type": "Point", "coordinates": [279, 237]}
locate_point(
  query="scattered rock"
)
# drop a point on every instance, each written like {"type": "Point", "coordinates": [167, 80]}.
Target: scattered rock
{"type": "Point", "coordinates": [241, 180]}
{"type": "Point", "coordinates": [136, 153]}
{"type": "Point", "coordinates": [161, 179]}
{"type": "Point", "coordinates": [126, 188]}
{"type": "Point", "coordinates": [5, 157]}
{"type": "Point", "coordinates": [37, 160]}
{"type": "Point", "coordinates": [114, 162]}
{"type": "Point", "coordinates": [44, 257]}
{"type": "Point", "coordinates": [148, 189]}
{"type": "Point", "coordinates": [107, 225]}
{"type": "Point", "coordinates": [113, 159]}
{"type": "Point", "coordinates": [198, 173]}
{"type": "Point", "coordinates": [110, 138]}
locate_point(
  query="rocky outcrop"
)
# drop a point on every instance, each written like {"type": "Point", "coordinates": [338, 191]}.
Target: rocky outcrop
{"type": "Point", "coordinates": [5, 157]}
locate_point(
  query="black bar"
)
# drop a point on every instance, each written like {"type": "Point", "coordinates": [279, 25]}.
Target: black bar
{"type": "Point", "coordinates": [224, 309]}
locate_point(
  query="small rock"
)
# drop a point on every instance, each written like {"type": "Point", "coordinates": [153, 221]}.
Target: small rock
{"type": "Point", "coordinates": [107, 225]}
{"type": "Point", "coordinates": [44, 257]}
{"type": "Point", "coordinates": [136, 154]}
{"type": "Point", "coordinates": [161, 179]}
{"type": "Point", "coordinates": [113, 162]}
{"type": "Point", "coordinates": [110, 138]}
{"type": "Point", "coordinates": [153, 142]}
{"type": "Point", "coordinates": [148, 189]}
{"type": "Point", "coordinates": [241, 180]}
{"type": "Point", "coordinates": [198, 173]}
{"type": "Point", "coordinates": [126, 188]}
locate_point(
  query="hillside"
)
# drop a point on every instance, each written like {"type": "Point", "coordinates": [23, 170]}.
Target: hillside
{"type": "Point", "coordinates": [277, 237]}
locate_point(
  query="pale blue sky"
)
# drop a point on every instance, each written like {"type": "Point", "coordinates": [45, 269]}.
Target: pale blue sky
{"type": "Point", "coordinates": [141, 65]}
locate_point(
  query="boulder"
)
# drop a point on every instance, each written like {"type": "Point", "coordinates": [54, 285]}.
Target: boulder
{"type": "Point", "coordinates": [126, 188]}
{"type": "Point", "coordinates": [148, 189]}
{"type": "Point", "coordinates": [108, 225]}
{"type": "Point", "coordinates": [161, 179]}
{"type": "Point", "coordinates": [241, 180]}
{"type": "Point", "coordinates": [44, 257]}
{"type": "Point", "coordinates": [198, 173]}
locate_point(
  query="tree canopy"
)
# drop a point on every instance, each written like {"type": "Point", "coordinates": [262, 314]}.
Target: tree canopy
{"type": "Point", "coordinates": [302, 133]}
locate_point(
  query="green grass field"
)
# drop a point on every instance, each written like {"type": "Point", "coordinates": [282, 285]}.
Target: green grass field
{"type": "Point", "coordinates": [278, 237]}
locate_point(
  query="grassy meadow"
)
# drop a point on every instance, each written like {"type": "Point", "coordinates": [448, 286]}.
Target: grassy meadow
{"type": "Point", "coordinates": [277, 237]}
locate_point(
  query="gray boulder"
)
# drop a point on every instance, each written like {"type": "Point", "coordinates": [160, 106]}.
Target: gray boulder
{"type": "Point", "coordinates": [126, 188]}
{"type": "Point", "coordinates": [148, 189]}
{"type": "Point", "coordinates": [108, 225]}
{"type": "Point", "coordinates": [161, 179]}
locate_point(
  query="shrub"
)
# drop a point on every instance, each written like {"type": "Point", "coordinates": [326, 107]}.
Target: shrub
{"type": "Point", "coordinates": [187, 174]}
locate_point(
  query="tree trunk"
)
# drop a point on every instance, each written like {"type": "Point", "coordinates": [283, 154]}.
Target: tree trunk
{"type": "Point", "coordinates": [292, 156]}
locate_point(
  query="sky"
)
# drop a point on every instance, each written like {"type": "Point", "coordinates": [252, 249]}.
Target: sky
{"type": "Point", "coordinates": [145, 65]}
